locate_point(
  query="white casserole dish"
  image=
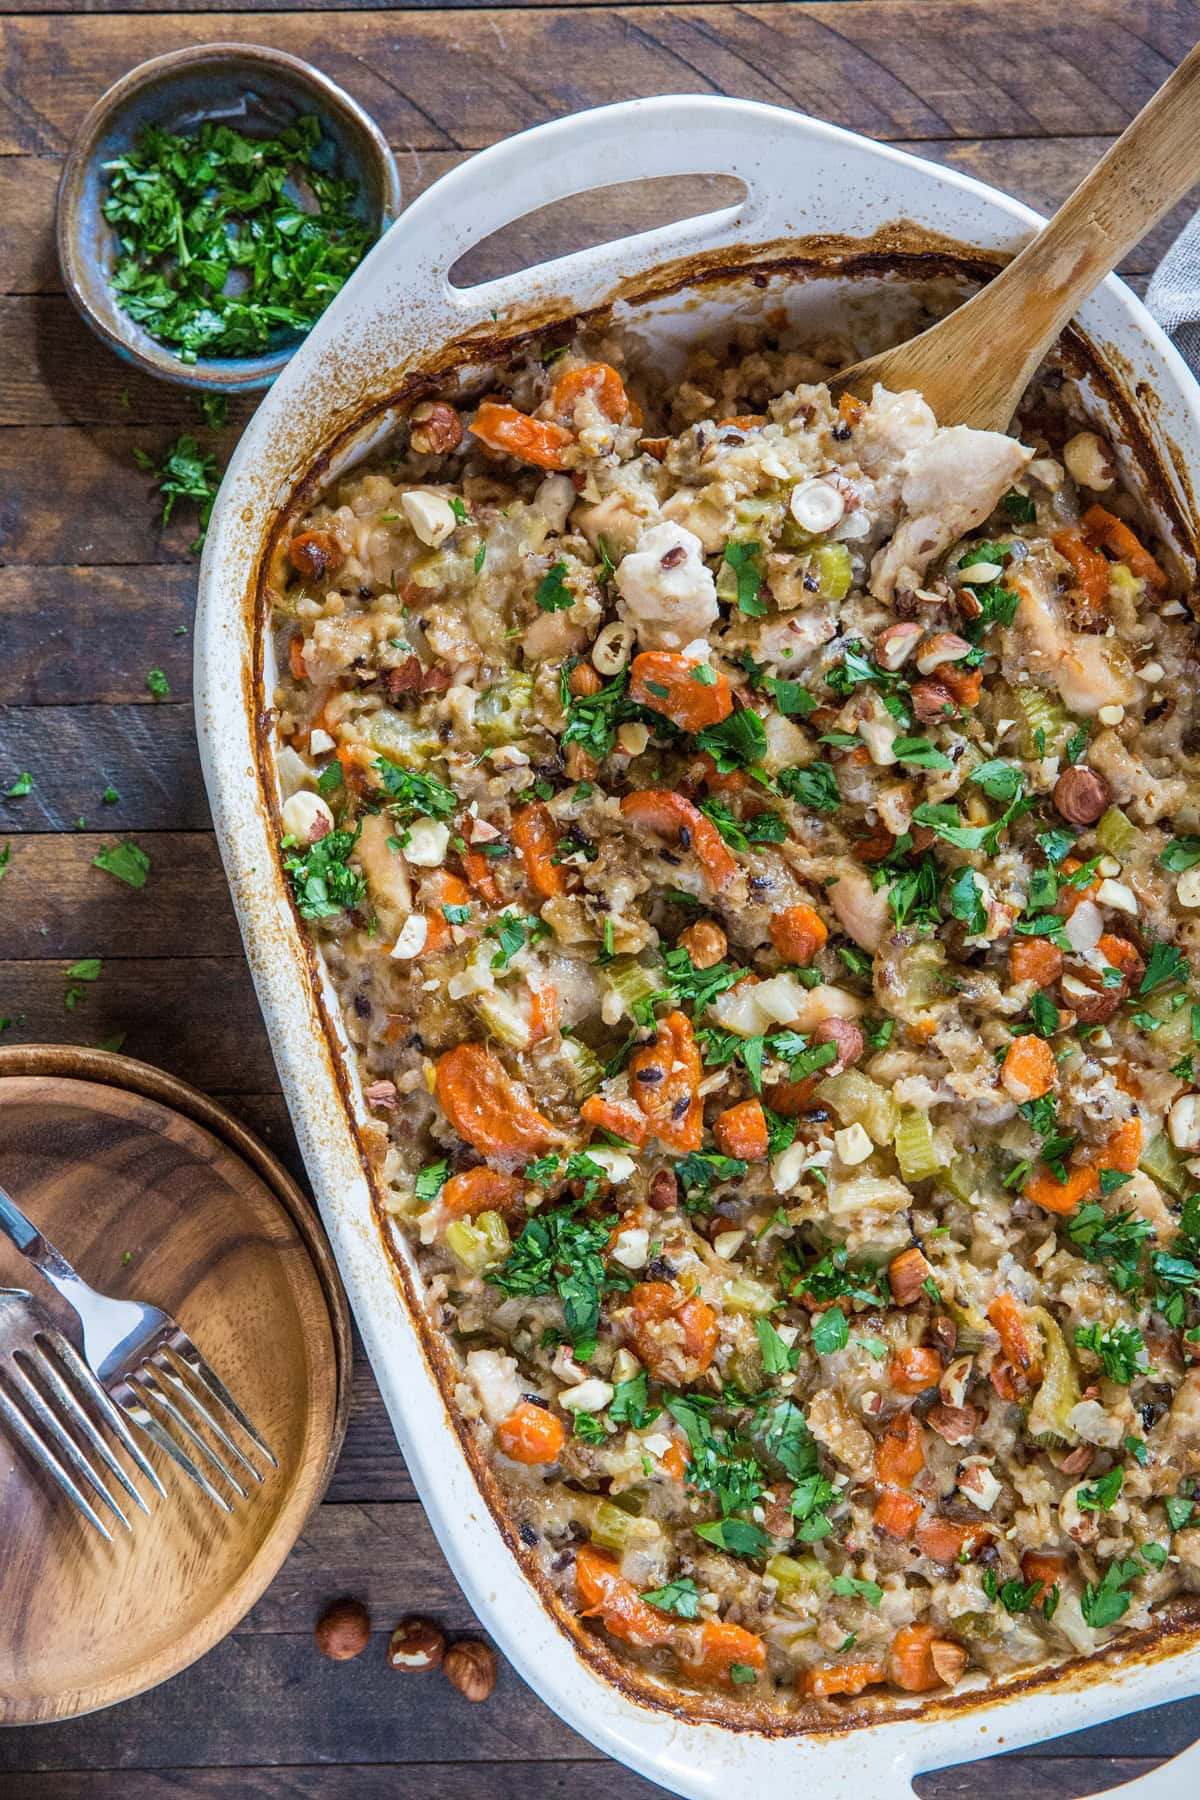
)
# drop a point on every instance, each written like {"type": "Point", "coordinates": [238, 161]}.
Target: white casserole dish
{"type": "Point", "coordinates": [824, 207]}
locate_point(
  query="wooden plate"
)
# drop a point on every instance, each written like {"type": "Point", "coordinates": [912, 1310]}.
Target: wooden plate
{"type": "Point", "coordinates": [152, 1190]}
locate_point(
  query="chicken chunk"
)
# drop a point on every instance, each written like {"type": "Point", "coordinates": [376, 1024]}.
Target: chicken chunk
{"type": "Point", "coordinates": [669, 593]}
{"type": "Point", "coordinates": [950, 483]}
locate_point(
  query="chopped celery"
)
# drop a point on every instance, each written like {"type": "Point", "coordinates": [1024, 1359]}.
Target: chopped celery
{"type": "Point", "coordinates": [830, 563]}
{"type": "Point", "coordinates": [915, 1151]}
{"type": "Point", "coordinates": [746, 1296]}
{"type": "Point", "coordinates": [629, 982]}
{"type": "Point", "coordinates": [1042, 712]}
{"type": "Point", "coordinates": [971, 1326]}
{"type": "Point", "coordinates": [501, 715]}
{"type": "Point", "coordinates": [1124, 585]}
{"type": "Point", "coordinates": [586, 1070]}
{"type": "Point", "coordinates": [1116, 834]}
{"type": "Point", "coordinates": [611, 1526]}
{"type": "Point", "coordinates": [798, 1576]}
{"type": "Point", "coordinates": [1163, 1164]}
{"type": "Point", "coordinates": [400, 740]}
{"type": "Point", "coordinates": [1050, 1413]}
{"type": "Point", "coordinates": [858, 1100]}
{"type": "Point", "coordinates": [503, 1018]}
{"type": "Point", "coordinates": [964, 1177]}
{"type": "Point", "coordinates": [478, 1243]}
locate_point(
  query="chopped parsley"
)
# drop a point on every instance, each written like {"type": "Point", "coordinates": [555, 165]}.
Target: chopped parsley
{"type": "Point", "coordinates": [158, 684]}
{"type": "Point", "coordinates": [553, 594]}
{"type": "Point", "coordinates": [126, 860]}
{"type": "Point", "coordinates": [815, 786]}
{"type": "Point", "coordinates": [20, 787]}
{"type": "Point", "coordinates": [1103, 1604]}
{"type": "Point", "coordinates": [678, 1596]}
{"type": "Point", "coordinates": [558, 1253]}
{"type": "Point", "coordinates": [741, 558]}
{"type": "Point", "coordinates": [430, 1181]}
{"type": "Point", "coordinates": [1180, 854]}
{"type": "Point", "coordinates": [411, 795]}
{"type": "Point", "coordinates": [738, 742]}
{"type": "Point", "coordinates": [1101, 1496]}
{"type": "Point", "coordinates": [1121, 1350]}
{"type": "Point", "coordinates": [185, 473]}
{"type": "Point", "coordinates": [217, 253]}
{"type": "Point", "coordinates": [322, 880]}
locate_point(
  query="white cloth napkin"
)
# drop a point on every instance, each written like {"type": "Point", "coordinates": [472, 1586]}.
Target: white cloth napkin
{"type": "Point", "coordinates": [1174, 294]}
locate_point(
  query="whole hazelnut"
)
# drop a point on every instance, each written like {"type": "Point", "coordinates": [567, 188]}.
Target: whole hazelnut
{"type": "Point", "coordinates": [848, 1039]}
{"type": "Point", "coordinates": [343, 1630]}
{"type": "Point", "coordinates": [1081, 795]}
{"type": "Point", "coordinates": [471, 1667]}
{"type": "Point", "coordinates": [664, 1190]}
{"type": "Point", "coordinates": [704, 942]}
{"type": "Point", "coordinates": [416, 1644]}
{"type": "Point", "coordinates": [434, 428]}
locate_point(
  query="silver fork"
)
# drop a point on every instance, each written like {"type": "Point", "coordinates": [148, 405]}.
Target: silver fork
{"type": "Point", "coordinates": [144, 1363]}
{"type": "Point", "coordinates": [50, 1400]}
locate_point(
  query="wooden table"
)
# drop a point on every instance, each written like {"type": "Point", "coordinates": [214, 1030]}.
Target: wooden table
{"type": "Point", "coordinates": [94, 593]}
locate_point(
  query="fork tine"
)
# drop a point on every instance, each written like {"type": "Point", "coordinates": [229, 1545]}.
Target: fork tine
{"type": "Point", "coordinates": [188, 1354]}
{"type": "Point", "coordinates": [81, 1419]}
{"type": "Point", "coordinates": [23, 1429]}
{"type": "Point", "coordinates": [153, 1383]}
{"type": "Point", "coordinates": [68, 1355]}
{"type": "Point", "coordinates": [163, 1368]}
{"type": "Point", "coordinates": [46, 1416]}
{"type": "Point", "coordinates": [135, 1406]}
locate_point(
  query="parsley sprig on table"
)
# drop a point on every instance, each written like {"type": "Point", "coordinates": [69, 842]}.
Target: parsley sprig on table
{"type": "Point", "coordinates": [228, 242]}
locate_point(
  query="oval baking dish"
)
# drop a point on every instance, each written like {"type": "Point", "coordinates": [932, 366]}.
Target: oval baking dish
{"type": "Point", "coordinates": [832, 227]}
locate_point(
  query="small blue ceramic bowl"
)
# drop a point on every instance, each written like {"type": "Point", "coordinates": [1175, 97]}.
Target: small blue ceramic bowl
{"type": "Point", "coordinates": [244, 85]}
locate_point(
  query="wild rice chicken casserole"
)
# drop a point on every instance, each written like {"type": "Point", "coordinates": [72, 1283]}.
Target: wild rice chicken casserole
{"type": "Point", "coordinates": [757, 845]}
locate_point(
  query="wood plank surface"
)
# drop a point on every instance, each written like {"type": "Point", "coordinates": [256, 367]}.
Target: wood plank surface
{"type": "Point", "coordinates": [890, 68]}
{"type": "Point", "coordinates": [94, 592]}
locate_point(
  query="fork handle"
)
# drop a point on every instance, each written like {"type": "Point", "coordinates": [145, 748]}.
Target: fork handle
{"type": "Point", "coordinates": [44, 1256]}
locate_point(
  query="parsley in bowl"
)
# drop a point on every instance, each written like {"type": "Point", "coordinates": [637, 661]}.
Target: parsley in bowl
{"type": "Point", "coordinates": [213, 204]}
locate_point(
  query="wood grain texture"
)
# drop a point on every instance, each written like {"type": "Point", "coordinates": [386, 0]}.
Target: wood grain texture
{"type": "Point", "coordinates": [196, 1018]}
{"type": "Point", "coordinates": [438, 81]}
{"type": "Point", "coordinates": [147, 1203]}
{"type": "Point", "coordinates": [94, 591]}
{"type": "Point", "coordinates": [1004, 1778]}
{"type": "Point", "coordinates": [1039, 170]}
{"type": "Point", "coordinates": [74, 752]}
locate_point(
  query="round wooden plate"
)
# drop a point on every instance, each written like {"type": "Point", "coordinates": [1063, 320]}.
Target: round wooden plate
{"type": "Point", "coordinates": [153, 1191]}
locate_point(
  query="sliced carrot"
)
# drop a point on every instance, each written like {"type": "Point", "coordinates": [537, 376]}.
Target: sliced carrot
{"type": "Point", "coordinates": [479, 874]}
{"type": "Point", "coordinates": [1070, 896]}
{"type": "Point", "coordinates": [709, 1651]}
{"type": "Point", "coordinates": [606, 1594]}
{"type": "Point", "coordinates": [797, 932]}
{"type": "Point", "coordinates": [1008, 1316]}
{"type": "Point", "coordinates": [543, 1012]}
{"type": "Point", "coordinates": [742, 1131]}
{"type": "Point", "coordinates": [1063, 1197]}
{"type": "Point", "coordinates": [1049, 1567]}
{"type": "Point", "coordinates": [486, 1107]}
{"type": "Point", "coordinates": [536, 840]}
{"type": "Point", "coordinates": [530, 1434]}
{"type": "Point", "coordinates": [1029, 1069]}
{"type": "Point", "coordinates": [622, 1121]}
{"type": "Point", "coordinates": [674, 1460]}
{"type": "Point", "coordinates": [965, 685]}
{"type": "Point", "coordinates": [948, 1540]}
{"type": "Point", "coordinates": [1089, 568]}
{"type": "Point", "coordinates": [1036, 960]}
{"type": "Point", "coordinates": [907, 1275]}
{"type": "Point", "coordinates": [479, 1190]}
{"type": "Point", "coordinates": [665, 1324]}
{"type": "Point", "coordinates": [664, 1079]}
{"type": "Point", "coordinates": [914, 1369]}
{"type": "Point", "coordinates": [792, 1099]}
{"type": "Point", "coordinates": [900, 1452]}
{"type": "Point", "coordinates": [840, 1678]}
{"type": "Point", "coordinates": [437, 934]}
{"type": "Point", "coordinates": [315, 554]}
{"type": "Point", "coordinates": [598, 379]}
{"type": "Point", "coordinates": [1123, 1148]}
{"type": "Point", "coordinates": [1120, 954]}
{"type": "Point", "coordinates": [911, 1662]}
{"type": "Point", "coordinates": [668, 684]}
{"type": "Point", "coordinates": [536, 441]}
{"type": "Point", "coordinates": [850, 410]}
{"type": "Point", "coordinates": [744, 421]}
{"type": "Point", "coordinates": [1112, 534]}
{"type": "Point", "coordinates": [896, 1513]}
{"type": "Point", "coordinates": [296, 658]}
{"type": "Point", "coordinates": [668, 813]}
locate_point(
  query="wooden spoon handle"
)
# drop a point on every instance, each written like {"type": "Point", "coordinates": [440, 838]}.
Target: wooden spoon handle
{"type": "Point", "coordinates": [974, 365]}
{"type": "Point", "coordinates": [1152, 165]}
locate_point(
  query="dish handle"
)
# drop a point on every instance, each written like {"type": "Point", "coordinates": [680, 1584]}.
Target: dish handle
{"type": "Point", "coordinates": [637, 140]}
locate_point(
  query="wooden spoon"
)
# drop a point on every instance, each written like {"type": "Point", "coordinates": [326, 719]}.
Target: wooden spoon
{"type": "Point", "coordinates": [974, 365]}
